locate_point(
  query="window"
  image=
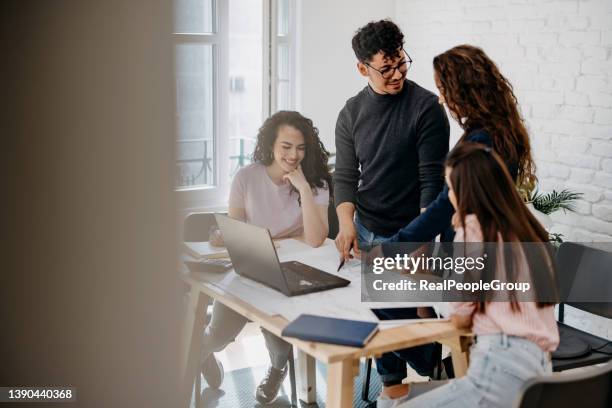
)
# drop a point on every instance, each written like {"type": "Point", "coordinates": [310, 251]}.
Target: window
{"type": "Point", "coordinates": [246, 21]}
{"type": "Point", "coordinates": [200, 67]}
{"type": "Point", "coordinates": [234, 66]}
{"type": "Point", "coordinates": [281, 55]}
{"type": "Point", "coordinates": [283, 41]}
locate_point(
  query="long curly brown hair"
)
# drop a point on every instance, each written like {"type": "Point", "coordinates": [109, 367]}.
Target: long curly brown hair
{"type": "Point", "coordinates": [479, 96]}
{"type": "Point", "coordinates": [316, 156]}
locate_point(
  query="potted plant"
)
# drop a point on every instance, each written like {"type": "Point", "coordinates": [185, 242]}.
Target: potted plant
{"type": "Point", "coordinates": [542, 205]}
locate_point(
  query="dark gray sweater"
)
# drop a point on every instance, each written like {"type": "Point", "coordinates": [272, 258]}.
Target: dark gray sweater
{"type": "Point", "coordinates": [390, 151]}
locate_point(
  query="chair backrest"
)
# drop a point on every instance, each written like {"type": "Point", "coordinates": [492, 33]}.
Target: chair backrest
{"type": "Point", "coordinates": [585, 278]}
{"type": "Point", "coordinates": [590, 388]}
{"type": "Point", "coordinates": [332, 220]}
{"type": "Point", "coordinates": [197, 226]}
{"type": "Point", "coordinates": [332, 216]}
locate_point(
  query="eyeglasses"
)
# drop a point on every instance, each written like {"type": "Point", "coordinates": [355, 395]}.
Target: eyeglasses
{"type": "Point", "coordinates": [388, 72]}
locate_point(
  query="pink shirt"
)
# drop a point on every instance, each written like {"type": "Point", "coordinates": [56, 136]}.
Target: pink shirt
{"type": "Point", "coordinates": [269, 205]}
{"type": "Point", "coordinates": [533, 323]}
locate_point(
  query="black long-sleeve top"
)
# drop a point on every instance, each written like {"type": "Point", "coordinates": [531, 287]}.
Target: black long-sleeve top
{"type": "Point", "coordinates": [437, 218]}
{"type": "Point", "coordinates": [390, 151]}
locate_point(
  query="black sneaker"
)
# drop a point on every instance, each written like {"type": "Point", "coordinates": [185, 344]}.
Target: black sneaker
{"type": "Point", "coordinates": [269, 386]}
{"type": "Point", "coordinates": [444, 371]}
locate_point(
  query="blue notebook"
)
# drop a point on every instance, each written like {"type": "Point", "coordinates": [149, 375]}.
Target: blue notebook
{"type": "Point", "coordinates": [329, 330]}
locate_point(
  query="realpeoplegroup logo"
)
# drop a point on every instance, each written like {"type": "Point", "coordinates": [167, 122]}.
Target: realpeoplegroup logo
{"type": "Point", "coordinates": [450, 285]}
{"type": "Point", "coordinates": [420, 262]}
{"type": "Point", "coordinates": [469, 271]}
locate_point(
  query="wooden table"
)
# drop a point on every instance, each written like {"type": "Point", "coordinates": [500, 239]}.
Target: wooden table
{"type": "Point", "coordinates": [342, 361]}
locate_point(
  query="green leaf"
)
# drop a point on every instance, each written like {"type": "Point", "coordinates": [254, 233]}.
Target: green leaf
{"type": "Point", "coordinates": [551, 202]}
{"type": "Point", "coordinates": [555, 238]}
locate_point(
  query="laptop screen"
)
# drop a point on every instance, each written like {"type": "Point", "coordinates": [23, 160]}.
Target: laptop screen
{"type": "Point", "coordinates": [252, 252]}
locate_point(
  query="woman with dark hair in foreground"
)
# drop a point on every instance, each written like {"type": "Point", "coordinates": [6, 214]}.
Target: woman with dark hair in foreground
{"type": "Point", "coordinates": [513, 339]}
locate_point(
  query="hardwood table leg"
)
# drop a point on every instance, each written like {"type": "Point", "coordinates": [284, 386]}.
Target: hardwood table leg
{"type": "Point", "coordinates": [193, 327]}
{"type": "Point", "coordinates": [340, 378]}
{"type": "Point", "coordinates": [307, 390]}
{"type": "Point", "coordinates": [458, 355]}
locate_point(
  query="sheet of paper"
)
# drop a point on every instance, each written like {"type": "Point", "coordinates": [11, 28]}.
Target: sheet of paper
{"type": "Point", "coordinates": [199, 250]}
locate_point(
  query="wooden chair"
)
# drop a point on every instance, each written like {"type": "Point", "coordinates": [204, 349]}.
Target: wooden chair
{"type": "Point", "coordinates": [197, 226]}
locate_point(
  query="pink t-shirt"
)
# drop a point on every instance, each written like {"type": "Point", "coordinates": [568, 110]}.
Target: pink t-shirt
{"type": "Point", "coordinates": [533, 323]}
{"type": "Point", "coordinates": [269, 205]}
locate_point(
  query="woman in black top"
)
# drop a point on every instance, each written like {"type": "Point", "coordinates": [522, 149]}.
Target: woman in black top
{"type": "Point", "coordinates": [482, 101]}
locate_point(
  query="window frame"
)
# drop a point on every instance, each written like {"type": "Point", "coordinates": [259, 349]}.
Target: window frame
{"type": "Point", "coordinates": [271, 81]}
{"type": "Point", "coordinates": [199, 198]}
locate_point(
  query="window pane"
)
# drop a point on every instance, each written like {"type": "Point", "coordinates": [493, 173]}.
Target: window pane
{"type": "Point", "coordinates": [283, 18]}
{"type": "Point", "coordinates": [195, 114]}
{"type": "Point", "coordinates": [283, 62]}
{"type": "Point", "coordinates": [283, 102]}
{"type": "Point", "coordinates": [246, 73]}
{"type": "Point", "coordinates": [194, 16]}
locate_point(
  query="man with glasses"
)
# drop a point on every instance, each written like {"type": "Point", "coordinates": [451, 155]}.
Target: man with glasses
{"type": "Point", "coordinates": [391, 141]}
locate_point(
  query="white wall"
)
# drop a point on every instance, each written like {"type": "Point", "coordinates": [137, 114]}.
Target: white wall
{"type": "Point", "coordinates": [557, 54]}
{"type": "Point", "coordinates": [327, 73]}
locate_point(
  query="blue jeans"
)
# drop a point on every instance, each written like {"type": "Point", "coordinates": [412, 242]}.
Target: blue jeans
{"type": "Point", "coordinates": [500, 365]}
{"type": "Point", "coordinates": [366, 237]}
{"type": "Point", "coordinates": [392, 366]}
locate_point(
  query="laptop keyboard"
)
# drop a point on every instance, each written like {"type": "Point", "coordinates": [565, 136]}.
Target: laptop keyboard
{"type": "Point", "coordinates": [302, 276]}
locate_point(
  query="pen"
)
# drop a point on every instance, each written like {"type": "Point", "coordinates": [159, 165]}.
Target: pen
{"type": "Point", "coordinates": [342, 260]}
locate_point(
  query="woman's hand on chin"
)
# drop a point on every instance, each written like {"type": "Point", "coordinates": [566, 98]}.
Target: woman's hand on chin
{"type": "Point", "coordinates": [297, 179]}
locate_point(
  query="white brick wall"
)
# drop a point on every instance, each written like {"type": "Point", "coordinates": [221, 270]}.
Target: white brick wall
{"type": "Point", "coordinates": [558, 56]}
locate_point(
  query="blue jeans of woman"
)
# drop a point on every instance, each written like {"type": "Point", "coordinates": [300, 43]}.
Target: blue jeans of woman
{"type": "Point", "coordinates": [499, 367]}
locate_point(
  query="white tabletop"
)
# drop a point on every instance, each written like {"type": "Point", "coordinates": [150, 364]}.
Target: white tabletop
{"type": "Point", "coordinates": [340, 302]}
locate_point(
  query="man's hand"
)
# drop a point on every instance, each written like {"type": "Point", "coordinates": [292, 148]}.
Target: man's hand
{"type": "Point", "coordinates": [426, 313]}
{"type": "Point", "coordinates": [347, 234]}
{"type": "Point", "coordinates": [347, 240]}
